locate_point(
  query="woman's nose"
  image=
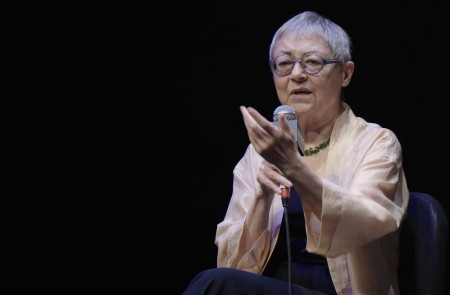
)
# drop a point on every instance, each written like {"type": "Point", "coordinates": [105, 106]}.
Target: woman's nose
{"type": "Point", "coordinates": [298, 71]}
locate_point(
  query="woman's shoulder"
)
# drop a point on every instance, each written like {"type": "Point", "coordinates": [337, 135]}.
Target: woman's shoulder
{"type": "Point", "coordinates": [370, 129]}
{"type": "Point", "coordinates": [369, 133]}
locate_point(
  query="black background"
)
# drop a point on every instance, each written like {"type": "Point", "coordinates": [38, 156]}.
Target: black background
{"type": "Point", "coordinates": [131, 124]}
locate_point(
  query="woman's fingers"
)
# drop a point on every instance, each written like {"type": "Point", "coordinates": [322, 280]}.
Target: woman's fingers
{"type": "Point", "coordinates": [253, 125]}
{"type": "Point", "coordinates": [276, 145]}
{"type": "Point", "coordinates": [271, 178]}
{"type": "Point", "coordinates": [261, 132]}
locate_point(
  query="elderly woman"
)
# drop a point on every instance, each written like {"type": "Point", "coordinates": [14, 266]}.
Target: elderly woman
{"type": "Point", "coordinates": [348, 192]}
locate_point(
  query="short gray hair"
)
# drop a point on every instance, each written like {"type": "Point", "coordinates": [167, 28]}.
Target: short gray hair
{"type": "Point", "coordinates": [311, 23]}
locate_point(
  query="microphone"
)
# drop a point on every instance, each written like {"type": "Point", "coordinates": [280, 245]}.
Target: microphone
{"type": "Point", "coordinates": [289, 114]}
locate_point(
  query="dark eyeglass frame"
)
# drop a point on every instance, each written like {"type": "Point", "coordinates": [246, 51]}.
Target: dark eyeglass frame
{"type": "Point", "coordinates": [300, 60]}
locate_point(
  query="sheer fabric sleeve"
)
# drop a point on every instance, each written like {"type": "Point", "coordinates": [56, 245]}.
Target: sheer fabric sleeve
{"type": "Point", "coordinates": [364, 194]}
{"type": "Point", "coordinates": [230, 231]}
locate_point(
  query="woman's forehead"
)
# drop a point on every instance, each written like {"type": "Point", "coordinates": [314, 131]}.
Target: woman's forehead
{"type": "Point", "coordinates": [310, 42]}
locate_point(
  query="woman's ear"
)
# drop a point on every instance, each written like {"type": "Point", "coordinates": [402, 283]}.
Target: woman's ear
{"type": "Point", "coordinates": [347, 73]}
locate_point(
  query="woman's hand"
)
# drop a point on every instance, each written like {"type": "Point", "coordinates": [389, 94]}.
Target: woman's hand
{"type": "Point", "coordinates": [270, 179]}
{"type": "Point", "coordinates": [275, 144]}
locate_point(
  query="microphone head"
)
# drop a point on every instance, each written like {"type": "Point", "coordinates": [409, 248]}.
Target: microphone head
{"type": "Point", "coordinates": [287, 111]}
{"type": "Point", "coordinates": [289, 114]}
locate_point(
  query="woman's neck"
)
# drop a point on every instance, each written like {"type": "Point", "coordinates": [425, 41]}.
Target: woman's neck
{"type": "Point", "coordinates": [317, 128]}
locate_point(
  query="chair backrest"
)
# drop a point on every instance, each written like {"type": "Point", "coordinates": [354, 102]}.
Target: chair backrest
{"type": "Point", "coordinates": [423, 247]}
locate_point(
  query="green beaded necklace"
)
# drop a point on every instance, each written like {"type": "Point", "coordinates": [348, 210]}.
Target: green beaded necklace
{"type": "Point", "coordinates": [317, 149]}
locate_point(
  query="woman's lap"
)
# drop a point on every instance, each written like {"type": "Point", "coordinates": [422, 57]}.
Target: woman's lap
{"type": "Point", "coordinates": [229, 281]}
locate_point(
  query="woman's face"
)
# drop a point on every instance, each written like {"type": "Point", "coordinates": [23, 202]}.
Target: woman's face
{"type": "Point", "coordinates": [305, 93]}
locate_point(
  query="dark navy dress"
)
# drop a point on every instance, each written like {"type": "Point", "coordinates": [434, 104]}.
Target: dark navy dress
{"type": "Point", "coordinates": [308, 270]}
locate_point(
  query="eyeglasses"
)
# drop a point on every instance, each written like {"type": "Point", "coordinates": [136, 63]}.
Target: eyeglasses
{"type": "Point", "coordinates": [312, 63]}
